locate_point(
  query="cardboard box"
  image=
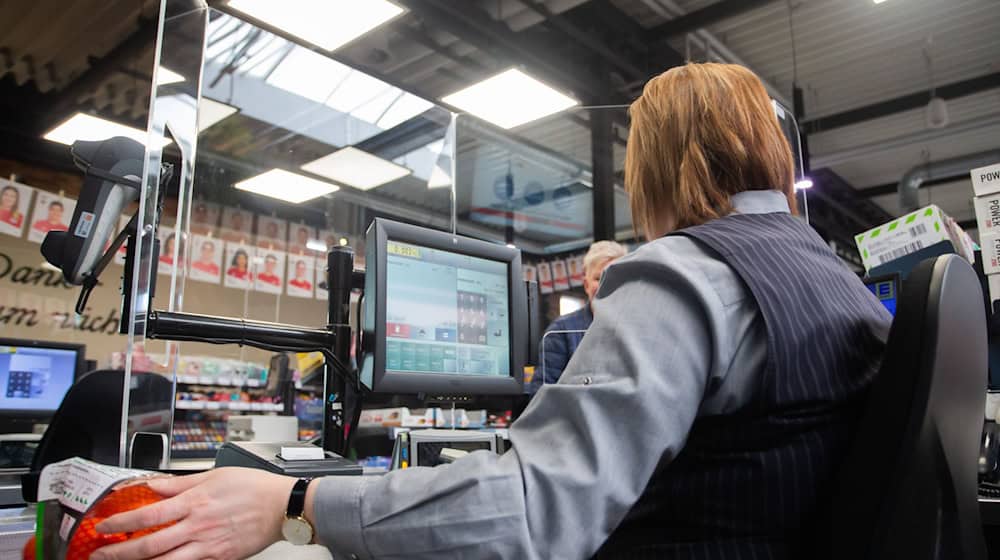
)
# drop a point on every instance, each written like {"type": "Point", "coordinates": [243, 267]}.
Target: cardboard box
{"type": "Point", "coordinates": [986, 180]}
{"type": "Point", "coordinates": [924, 233]}
{"type": "Point", "coordinates": [990, 245]}
{"type": "Point", "coordinates": [988, 213]}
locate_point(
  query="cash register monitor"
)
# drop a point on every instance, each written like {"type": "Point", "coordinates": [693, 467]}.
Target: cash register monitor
{"type": "Point", "coordinates": [445, 315]}
{"type": "Point", "coordinates": [886, 289]}
{"type": "Point", "coordinates": [34, 378]}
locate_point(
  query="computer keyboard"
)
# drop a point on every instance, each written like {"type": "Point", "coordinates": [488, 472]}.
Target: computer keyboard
{"type": "Point", "coordinates": [989, 491]}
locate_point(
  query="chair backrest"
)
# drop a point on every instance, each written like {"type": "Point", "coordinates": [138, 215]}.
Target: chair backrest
{"type": "Point", "coordinates": [88, 422]}
{"type": "Point", "coordinates": [908, 487]}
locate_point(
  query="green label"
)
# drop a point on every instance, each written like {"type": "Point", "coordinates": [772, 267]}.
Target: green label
{"type": "Point", "coordinates": [876, 232]}
{"type": "Point", "coordinates": [893, 225]}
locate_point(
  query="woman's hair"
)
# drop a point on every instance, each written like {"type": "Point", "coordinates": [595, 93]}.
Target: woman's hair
{"type": "Point", "coordinates": [701, 133]}
{"type": "Point", "coordinates": [17, 196]}
{"type": "Point", "coordinates": [236, 258]}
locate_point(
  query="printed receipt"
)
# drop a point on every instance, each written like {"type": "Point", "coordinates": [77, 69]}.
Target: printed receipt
{"type": "Point", "coordinates": [78, 483]}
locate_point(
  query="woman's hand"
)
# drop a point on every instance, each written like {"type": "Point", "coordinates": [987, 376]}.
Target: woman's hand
{"type": "Point", "coordinates": [224, 513]}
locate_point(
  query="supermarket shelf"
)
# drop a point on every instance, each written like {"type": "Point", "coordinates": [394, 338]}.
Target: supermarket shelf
{"type": "Point", "coordinates": [213, 381]}
{"type": "Point", "coordinates": [230, 405]}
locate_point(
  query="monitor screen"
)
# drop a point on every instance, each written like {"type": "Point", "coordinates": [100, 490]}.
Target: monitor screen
{"type": "Point", "coordinates": [444, 315]}
{"type": "Point", "coordinates": [886, 290]}
{"type": "Point", "coordinates": [35, 378]}
{"type": "Point", "coordinates": [446, 312]}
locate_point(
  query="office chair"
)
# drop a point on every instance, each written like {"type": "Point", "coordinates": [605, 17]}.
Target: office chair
{"type": "Point", "coordinates": [88, 422]}
{"type": "Point", "coordinates": [908, 487]}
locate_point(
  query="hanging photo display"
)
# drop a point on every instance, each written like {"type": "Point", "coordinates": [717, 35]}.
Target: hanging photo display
{"type": "Point", "coordinates": [530, 273]}
{"type": "Point", "coordinates": [544, 278]}
{"type": "Point", "coordinates": [51, 213]}
{"type": "Point", "coordinates": [237, 225]}
{"type": "Point", "coordinates": [575, 271]}
{"type": "Point", "coordinates": [238, 273]}
{"type": "Point", "coordinates": [271, 232]}
{"type": "Point", "coordinates": [560, 279]}
{"type": "Point", "coordinates": [321, 292]}
{"type": "Point", "coordinates": [206, 259]}
{"type": "Point", "coordinates": [299, 236]}
{"type": "Point", "coordinates": [300, 276]}
{"type": "Point", "coordinates": [14, 201]}
{"type": "Point", "coordinates": [168, 243]}
{"type": "Point", "coordinates": [269, 270]}
{"type": "Point", "coordinates": [204, 217]}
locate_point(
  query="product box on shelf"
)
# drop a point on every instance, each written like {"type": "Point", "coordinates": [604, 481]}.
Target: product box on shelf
{"type": "Point", "coordinates": [898, 246]}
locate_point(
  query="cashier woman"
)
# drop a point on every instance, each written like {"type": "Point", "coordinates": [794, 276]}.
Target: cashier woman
{"type": "Point", "coordinates": [702, 416]}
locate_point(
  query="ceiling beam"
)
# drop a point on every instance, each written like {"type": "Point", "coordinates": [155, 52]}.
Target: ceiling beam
{"type": "Point", "coordinates": [893, 188]}
{"type": "Point", "coordinates": [900, 104]}
{"type": "Point", "coordinates": [713, 13]}
{"type": "Point", "coordinates": [475, 27]}
{"type": "Point", "coordinates": [586, 40]}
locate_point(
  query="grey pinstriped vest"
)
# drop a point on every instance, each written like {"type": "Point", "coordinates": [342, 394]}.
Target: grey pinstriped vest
{"type": "Point", "coordinates": [752, 484]}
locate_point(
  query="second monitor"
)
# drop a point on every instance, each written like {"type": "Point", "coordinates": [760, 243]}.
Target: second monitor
{"type": "Point", "coordinates": [444, 314]}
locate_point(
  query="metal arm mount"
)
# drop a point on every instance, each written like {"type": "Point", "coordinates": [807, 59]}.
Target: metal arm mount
{"type": "Point", "coordinates": [334, 341]}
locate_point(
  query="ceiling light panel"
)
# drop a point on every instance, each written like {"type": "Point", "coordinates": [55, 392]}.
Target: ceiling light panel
{"type": "Point", "coordinates": [329, 24]}
{"type": "Point", "coordinates": [357, 168]}
{"type": "Point", "coordinates": [510, 99]}
{"type": "Point", "coordinates": [211, 112]}
{"type": "Point", "coordinates": [166, 76]}
{"type": "Point", "coordinates": [287, 186]}
{"type": "Point", "coordinates": [82, 126]}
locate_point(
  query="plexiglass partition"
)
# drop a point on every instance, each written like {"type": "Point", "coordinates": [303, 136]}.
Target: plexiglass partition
{"type": "Point", "coordinates": [279, 151]}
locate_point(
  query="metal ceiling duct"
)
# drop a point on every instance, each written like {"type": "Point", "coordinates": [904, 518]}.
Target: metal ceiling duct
{"type": "Point", "coordinates": [951, 167]}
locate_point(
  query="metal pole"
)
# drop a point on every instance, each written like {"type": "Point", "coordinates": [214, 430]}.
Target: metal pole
{"type": "Point", "coordinates": [339, 271]}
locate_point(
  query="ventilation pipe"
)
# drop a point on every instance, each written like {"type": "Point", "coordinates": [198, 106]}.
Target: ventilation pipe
{"type": "Point", "coordinates": [909, 185]}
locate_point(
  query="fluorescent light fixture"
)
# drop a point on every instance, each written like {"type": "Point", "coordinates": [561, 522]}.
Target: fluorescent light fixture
{"type": "Point", "coordinates": [804, 183]}
{"type": "Point", "coordinates": [211, 112]}
{"type": "Point", "coordinates": [438, 179]}
{"type": "Point", "coordinates": [82, 126]}
{"type": "Point", "coordinates": [344, 242]}
{"type": "Point", "coordinates": [316, 245]}
{"type": "Point", "coordinates": [510, 99]}
{"type": "Point", "coordinates": [328, 24]}
{"type": "Point", "coordinates": [356, 168]}
{"type": "Point", "coordinates": [166, 76]}
{"type": "Point", "coordinates": [287, 186]}
{"type": "Point", "coordinates": [878, 1]}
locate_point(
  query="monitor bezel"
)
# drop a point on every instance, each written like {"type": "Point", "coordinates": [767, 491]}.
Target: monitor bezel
{"type": "Point", "coordinates": [78, 371]}
{"type": "Point", "coordinates": [380, 232]}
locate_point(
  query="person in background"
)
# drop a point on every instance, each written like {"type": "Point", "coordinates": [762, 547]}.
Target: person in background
{"type": "Point", "coordinates": [705, 415]}
{"type": "Point", "coordinates": [558, 344]}
{"type": "Point", "coordinates": [167, 252]}
{"type": "Point", "coordinates": [240, 267]}
{"type": "Point", "coordinates": [206, 259]}
{"type": "Point", "coordinates": [300, 281]}
{"type": "Point", "coordinates": [10, 199]}
{"type": "Point", "coordinates": [53, 220]}
{"type": "Point", "coordinates": [270, 274]}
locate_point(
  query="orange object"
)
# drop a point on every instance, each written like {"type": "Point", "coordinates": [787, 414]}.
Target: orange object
{"type": "Point", "coordinates": [86, 539]}
{"type": "Point", "coordinates": [29, 549]}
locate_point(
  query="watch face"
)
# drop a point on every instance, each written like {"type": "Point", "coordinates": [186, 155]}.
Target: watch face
{"type": "Point", "coordinates": [297, 530]}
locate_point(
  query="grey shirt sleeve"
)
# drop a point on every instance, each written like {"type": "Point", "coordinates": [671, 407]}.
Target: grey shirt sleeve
{"type": "Point", "coordinates": [669, 321]}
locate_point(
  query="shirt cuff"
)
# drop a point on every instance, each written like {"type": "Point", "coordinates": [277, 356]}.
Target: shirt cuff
{"type": "Point", "coordinates": [337, 514]}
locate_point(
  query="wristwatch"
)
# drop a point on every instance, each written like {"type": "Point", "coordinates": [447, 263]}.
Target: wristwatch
{"type": "Point", "coordinates": [296, 528]}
